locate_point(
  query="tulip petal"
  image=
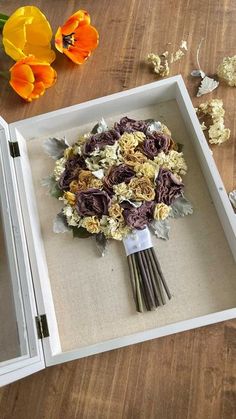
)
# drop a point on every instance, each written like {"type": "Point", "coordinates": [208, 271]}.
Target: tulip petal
{"type": "Point", "coordinates": [28, 30]}
{"type": "Point", "coordinates": [79, 18]}
{"type": "Point", "coordinates": [77, 55]}
{"type": "Point", "coordinates": [12, 50]}
{"type": "Point", "coordinates": [44, 74]}
{"type": "Point", "coordinates": [39, 90]}
{"type": "Point", "coordinates": [59, 40]}
{"type": "Point", "coordinates": [15, 31]}
{"type": "Point", "coordinates": [22, 88]}
{"type": "Point", "coordinates": [86, 38]}
{"type": "Point", "coordinates": [42, 53]}
{"type": "Point", "coordinates": [22, 72]}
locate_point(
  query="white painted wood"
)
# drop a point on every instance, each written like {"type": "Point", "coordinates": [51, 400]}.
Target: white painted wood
{"type": "Point", "coordinates": [31, 358]}
{"type": "Point", "coordinates": [48, 124]}
{"type": "Point", "coordinates": [141, 337]}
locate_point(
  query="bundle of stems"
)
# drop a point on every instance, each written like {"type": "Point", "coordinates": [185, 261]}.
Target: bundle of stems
{"type": "Point", "coordinates": [148, 283]}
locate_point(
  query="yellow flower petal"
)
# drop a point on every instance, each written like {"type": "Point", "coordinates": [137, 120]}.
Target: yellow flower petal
{"type": "Point", "coordinates": [27, 31]}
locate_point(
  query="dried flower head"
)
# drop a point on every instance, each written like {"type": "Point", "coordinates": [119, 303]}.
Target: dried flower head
{"type": "Point", "coordinates": [227, 70]}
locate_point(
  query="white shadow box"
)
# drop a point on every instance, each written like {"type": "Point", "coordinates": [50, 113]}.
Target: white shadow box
{"type": "Point", "coordinates": [59, 300]}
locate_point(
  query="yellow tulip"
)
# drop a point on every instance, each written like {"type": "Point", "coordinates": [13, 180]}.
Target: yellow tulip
{"type": "Point", "coordinates": [26, 32]}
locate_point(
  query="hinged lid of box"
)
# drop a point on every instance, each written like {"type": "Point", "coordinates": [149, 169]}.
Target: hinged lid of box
{"type": "Point", "coordinates": [20, 350]}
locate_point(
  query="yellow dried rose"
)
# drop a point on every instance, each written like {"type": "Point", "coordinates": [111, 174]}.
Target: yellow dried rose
{"type": "Point", "coordinates": [69, 197]}
{"type": "Point", "coordinates": [95, 183]}
{"type": "Point", "coordinates": [148, 169]}
{"type": "Point", "coordinates": [74, 186]}
{"type": "Point", "coordinates": [161, 211]}
{"type": "Point", "coordinates": [92, 224]}
{"type": "Point", "coordinates": [142, 189]}
{"type": "Point", "coordinates": [129, 141]}
{"type": "Point", "coordinates": [115, 211]}
{"type": "Point", "coordinates": [133, 158]}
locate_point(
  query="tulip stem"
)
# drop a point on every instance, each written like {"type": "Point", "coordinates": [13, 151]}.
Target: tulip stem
{"type": "Point", "coordinates": [3, 19]}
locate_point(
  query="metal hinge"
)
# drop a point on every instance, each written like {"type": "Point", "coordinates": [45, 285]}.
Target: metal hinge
{"type": "Point", "coordinates": [42, 326]}
{"type": "Point", "coordinates": [14, 149]}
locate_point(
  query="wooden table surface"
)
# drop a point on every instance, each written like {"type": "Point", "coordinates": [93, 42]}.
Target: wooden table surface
{"type": "Point", "coordinates": [188, 375]}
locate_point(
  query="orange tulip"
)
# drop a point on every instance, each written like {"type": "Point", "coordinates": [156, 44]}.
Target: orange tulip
{"type": "Point", "coordinates": [30, 77]}
{"type": "Point", "coordinates": [77, 38]}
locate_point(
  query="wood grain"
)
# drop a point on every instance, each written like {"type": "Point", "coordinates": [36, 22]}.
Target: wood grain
{"type": "Point", "coordinates": [185, 376]}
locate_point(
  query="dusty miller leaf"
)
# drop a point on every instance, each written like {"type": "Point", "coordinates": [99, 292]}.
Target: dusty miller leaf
{"type": "Point", "coordinates": [154, 126]}
{"type": "Point", "coordinates": [101, 126]}
{"type": "Point", "coordinates": [207, 85]}
{"type": "Point", "coordinates": [160, 228]}
{"type": "Point", "coordinates": [181, 207]}
{"type": "Point", "coordinates": [52, 185]}
{"type": "Point", "coordinates": [198, 73]}
{"type": "Point", "coordinates": [101, 243]}
{"type": "Point", "coordinates": [60, 224]}
{"type": "Point", "coordinates": [55, 147]}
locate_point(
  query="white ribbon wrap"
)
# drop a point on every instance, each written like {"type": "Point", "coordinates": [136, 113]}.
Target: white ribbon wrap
{"type": "Point", "coordinates": [137, 240]}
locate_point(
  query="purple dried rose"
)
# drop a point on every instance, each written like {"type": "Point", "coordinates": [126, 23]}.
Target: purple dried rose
{"type": "Point", "coordinates": [154, 144]}
{"type": "Point", "coordinates": [71, 172]}
{"type": "Point", "coordinates": [118, 174]}
{"type": "Point", "coordinates": [92, 202]}
{"type": "Point", "coordinates": [168, 187]}
{"type": "Point", "coordinates": [130, 125]}
{"type": "Point", "coordinates": [101, 140]}
{"type": "Point", "coordinates": [138, 217]}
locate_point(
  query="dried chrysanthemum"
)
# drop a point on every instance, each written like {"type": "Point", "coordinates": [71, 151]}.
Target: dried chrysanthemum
{"type": "Point", "coordinates": [213, 110]}
{"type": "Point", "coordinates": [227, 70]}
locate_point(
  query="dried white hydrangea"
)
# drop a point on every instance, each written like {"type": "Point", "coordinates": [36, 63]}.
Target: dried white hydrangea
{"type": "Point", "coordinates": [59, 168]}
{"type": "Point", "coordinates": [72, 215]}
{"type": "Point", "coordinates": [173, 161]}
{"type": "Point", "coordinates": [217, 132]}
{"type": "Point", "coordinates": [227, 70]}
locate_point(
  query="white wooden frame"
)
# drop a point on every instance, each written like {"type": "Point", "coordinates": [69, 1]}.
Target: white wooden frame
{"type": "Point", "coordinates": [48, 124]}
{"type": "Point", "coordinates": [31, 358]}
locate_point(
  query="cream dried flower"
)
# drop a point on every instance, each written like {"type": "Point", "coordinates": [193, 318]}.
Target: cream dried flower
{"type": "Point", "coordinates": [129, 141]}
{"type": "Point", "coordinates": [115, 211]}
{"type": "Point", "coordinates": [159, 63]}
{"type": "Point", "coordinates": [72, 216]}
{"type": "Point", "coordinates": [217, 132]}
{"type": "Point", "coordinates": [148, 169]}
{"type": "Point", "coordinates": [142, 189]}
{"type": "Point", "coordinates": [161, 211]}
{"type": "Point", "coordinates": [131, 159]}
{"type": "Point", "coordinates": [173, 161]}
{"type": "Point", "coordinates": [59, 168]}
{"type": "Point", "coordinates": [122, 191]}
{"type": "Point", "coordinates": [227, 70]}
{"type": "Point", "coordinates": [92, 224]}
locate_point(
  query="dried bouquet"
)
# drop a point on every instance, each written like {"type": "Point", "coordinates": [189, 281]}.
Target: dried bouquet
{"type": "Point", "coordinates": [119, 183]}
